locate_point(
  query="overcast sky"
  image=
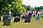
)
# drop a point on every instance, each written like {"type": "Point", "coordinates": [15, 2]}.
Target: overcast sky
{"type": "Point", "coordinates": [33, 3]}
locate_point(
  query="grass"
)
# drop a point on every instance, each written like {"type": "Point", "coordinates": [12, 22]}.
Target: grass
{"type": "Point", "coordinates": [34, 24]}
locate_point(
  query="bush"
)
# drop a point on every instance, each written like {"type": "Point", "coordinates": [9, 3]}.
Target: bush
{"type": "Point", "coordinates": [41, 16]}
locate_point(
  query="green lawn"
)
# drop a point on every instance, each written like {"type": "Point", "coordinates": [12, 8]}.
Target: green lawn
{"type": "Point", "coordinates": [34, 24]}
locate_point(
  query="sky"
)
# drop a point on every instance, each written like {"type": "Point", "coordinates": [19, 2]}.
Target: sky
{"type": "Point", "coordinates": [33, 3]}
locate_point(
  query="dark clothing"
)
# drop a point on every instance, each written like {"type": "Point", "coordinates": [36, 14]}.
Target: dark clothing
{"type": "Point", "coordinates": [30, 15]}
{"type": "Point", "coordinates": [13, 14]}
{"type": "Point", "coordinates": [17, 19]}
{"type": "Point", "coordinates": [27, 19]}
{"type": "Point", "coordinates": [36, 12]}
{"type": "Point", "coordinates": [18, 14]}
{"type": "Point", "coordinates": [33, 15]}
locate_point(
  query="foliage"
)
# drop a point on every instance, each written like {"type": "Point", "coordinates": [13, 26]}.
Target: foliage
{"type": "Point", "coordinates": [11, 5]}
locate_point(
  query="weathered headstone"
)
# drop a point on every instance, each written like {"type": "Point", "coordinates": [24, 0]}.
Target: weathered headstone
{"type": "Point", "coordinates": [6, 19]}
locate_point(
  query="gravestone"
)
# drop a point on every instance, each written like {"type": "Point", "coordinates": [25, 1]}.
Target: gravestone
{"type": "Point", "coordinates": [6, 19]}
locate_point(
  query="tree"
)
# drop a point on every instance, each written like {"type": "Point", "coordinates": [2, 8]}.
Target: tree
{"type": "Point", "coordinates": [3, 6]}
{"type": "Point", "coordinates": [41, 7]}
{"type": "Point", "coordinates": [17, 6]}
{"type": "Point", "coordinates": [11, 5]}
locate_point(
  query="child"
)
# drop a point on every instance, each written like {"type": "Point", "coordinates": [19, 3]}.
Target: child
{"type": "Point", "coordinates": [38, 15]}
